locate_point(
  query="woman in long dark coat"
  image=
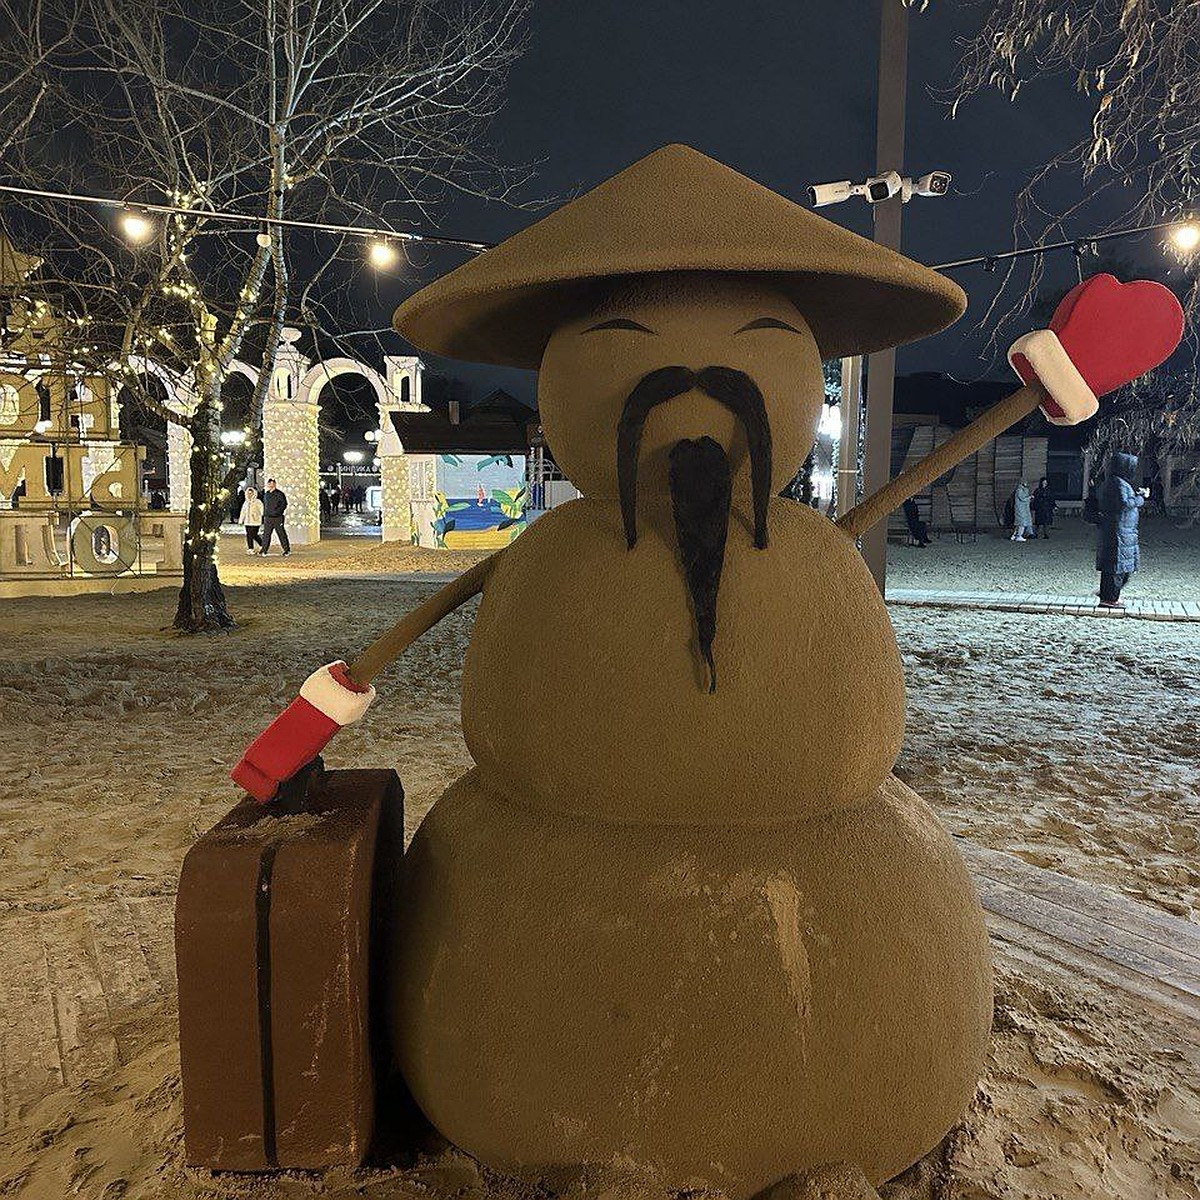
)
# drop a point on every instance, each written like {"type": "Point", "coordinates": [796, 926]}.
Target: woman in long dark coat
{"type": "Point", "coordinates": [1117, 555]}
{"type": "Point", "coordinates": [1043, 505]}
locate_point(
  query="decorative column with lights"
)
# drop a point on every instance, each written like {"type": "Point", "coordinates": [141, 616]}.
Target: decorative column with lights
{"type": "Point", "coordinates": [403, 394]}
{"type": "Point", "coordinates": [291, 440]}
{"type": "Point", "coordinates": [179, 467]}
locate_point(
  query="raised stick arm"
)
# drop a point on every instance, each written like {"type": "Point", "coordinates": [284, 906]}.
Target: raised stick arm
{"type": "Point", "coordinates": [336, 695]}
{"type": "Point", "coordinates": [387, 648]}
{"type": "Point", "coordinates": [949, 454]}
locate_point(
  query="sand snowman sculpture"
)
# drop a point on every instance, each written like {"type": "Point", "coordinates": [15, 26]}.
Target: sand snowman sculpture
{"type": "Point", "coordinates": [681, 915]}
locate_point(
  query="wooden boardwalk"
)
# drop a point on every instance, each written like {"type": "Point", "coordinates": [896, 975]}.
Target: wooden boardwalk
{"type": "Point", "coordinates": [74, 980]}
{"type": "Point", "coordinates": [1093, 930]}
{"type": "Point", "coordinates": [1039, 602]}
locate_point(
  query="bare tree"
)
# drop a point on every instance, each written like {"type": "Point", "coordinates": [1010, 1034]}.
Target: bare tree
{"type": "Point", "coordinates": [1157, 417]}
{"type": "Point", "coordinates": [345, 111]}
{"type": "Point", "coordinates": [1139, 63]}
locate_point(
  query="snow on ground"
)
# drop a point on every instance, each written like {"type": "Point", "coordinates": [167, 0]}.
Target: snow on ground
{"type": "Point", "coordinates": [1064, 564]}
{"type": "Point", "coordinates": [1071, 742]}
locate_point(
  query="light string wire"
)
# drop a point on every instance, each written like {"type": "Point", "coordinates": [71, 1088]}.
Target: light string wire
{"type": "Point", "coordinates": [218, 214]}
{"type": "Point", "coordinates": [1078, 244]}
{"type": "Point", "coordinates": [987, 261]}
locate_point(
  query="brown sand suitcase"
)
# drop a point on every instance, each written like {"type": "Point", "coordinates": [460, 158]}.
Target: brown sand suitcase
{"type": "Point", "coordinates": [277, 946]}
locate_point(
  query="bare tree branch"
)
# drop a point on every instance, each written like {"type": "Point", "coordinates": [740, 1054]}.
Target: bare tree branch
{"type": "Point", "coordinates": [319, 110]}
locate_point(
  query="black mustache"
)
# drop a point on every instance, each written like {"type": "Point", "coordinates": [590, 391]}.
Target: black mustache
{"type": "Point", "coordinates": [736, 391]}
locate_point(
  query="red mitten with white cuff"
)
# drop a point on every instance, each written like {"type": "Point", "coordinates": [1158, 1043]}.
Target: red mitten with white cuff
{"type": "Point", "coordinates": [1103, 334]}
{"type": "Point", "coordinates": [328, 700]}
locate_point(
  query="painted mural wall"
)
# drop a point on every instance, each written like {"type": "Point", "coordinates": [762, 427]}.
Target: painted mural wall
{"type": "Point", "coordinates": [480, 500]}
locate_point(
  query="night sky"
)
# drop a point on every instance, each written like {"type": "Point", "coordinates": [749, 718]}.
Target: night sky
{"type": "Point", "coordinates": [784, 92]}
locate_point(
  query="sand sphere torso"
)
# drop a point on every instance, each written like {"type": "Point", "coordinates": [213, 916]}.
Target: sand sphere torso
{"type": "Point", "coordinates": [583, 691]}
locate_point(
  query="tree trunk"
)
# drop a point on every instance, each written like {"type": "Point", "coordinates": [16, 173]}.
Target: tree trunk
{"type": "Point", "coordinates": [202, 606]}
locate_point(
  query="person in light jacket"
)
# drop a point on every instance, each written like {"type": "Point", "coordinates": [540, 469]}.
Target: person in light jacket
{"type": "Point", "coordinates": [1022, 517]}
{"type": "Point", "coordinates": [251, 517]}
{"type": "Point", "coordinates": [1117, 552]}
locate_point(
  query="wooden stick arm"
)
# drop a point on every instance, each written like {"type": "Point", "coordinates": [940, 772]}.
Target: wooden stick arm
{"type": "Point", "coordinates": [949, 454]}
{"type": "Point", "coordinates": [391, 645]}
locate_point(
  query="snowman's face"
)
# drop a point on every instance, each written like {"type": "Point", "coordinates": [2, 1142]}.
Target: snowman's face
{"type": "Point", "coordinates": [595, 360]}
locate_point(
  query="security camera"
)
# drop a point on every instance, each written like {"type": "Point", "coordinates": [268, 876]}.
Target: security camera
{"type": "Point", "coordinates": [936, 183]}
{"type": "Point", "coordinates": [883, 187]}
{"type": "Point", "coordinates": [820, 194]}
{"type": "Point", "coordinates": [879, 188]}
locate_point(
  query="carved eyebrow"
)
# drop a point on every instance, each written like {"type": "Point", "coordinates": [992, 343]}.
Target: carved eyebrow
{"type": "Point", "coordinates": [619, 323]}
{"type": "Point", "coordinates": [768, 323]}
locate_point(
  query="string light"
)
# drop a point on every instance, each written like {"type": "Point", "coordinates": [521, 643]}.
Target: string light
{"type": "Point", "coordinates": [1186, 236]}
{"type": "Point", "coordinates": [239, 218]}
{"type": "Point", "coordinates": [135, 225]}
{"type": "Point", "coordinates": [1188, 229]}
{"type": "Point", "coordinates": [382, 254]}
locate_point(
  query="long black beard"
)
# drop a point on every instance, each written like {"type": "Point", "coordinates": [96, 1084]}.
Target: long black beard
{"type": "Point", "coordinates": [701, 491]}
{"type": "Point", "coordinates": [700, 482]}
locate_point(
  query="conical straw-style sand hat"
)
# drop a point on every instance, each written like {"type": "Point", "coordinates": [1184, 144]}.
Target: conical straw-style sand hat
{"type": "Point", "coordinates": [677, 210]}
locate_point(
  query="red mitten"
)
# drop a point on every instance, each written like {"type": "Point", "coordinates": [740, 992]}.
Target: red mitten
{"type": "Point", "coordinates": [1103, 334]}
{"type": "Point", "coordinates": [328, 700]}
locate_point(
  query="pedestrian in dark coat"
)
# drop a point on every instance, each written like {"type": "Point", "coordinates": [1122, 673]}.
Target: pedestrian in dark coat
{"type": "Point", "coordinates": [1117, 555]}
{"type": "Point", "coordinates": [274, 504]}
{"type": "Point", "coordinates": [1043, 505]}
{"type": "Point", "coordinates": [912, 518]}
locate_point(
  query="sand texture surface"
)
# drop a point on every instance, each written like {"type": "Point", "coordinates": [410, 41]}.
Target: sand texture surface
{"type": "Point", "coordinates": [1072, 743]}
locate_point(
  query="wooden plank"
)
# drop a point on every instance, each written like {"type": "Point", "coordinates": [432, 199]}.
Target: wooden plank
{"type": "Point", "coordinates": [1012, 940]}
{"type": "Point", "coordinates": [1072, 921]}
{"type": "Point", "coordinates": [1114, 943]}
{"type": "Point", "coordinates": [30, 1058]}
{"type": "Point", "coordinates": [1099, 904]}
{"type": "Point", "coordinates": [154, 919]}
{"type": "Point", "coordinates": [124, 972]}
{"type": "Point", "coordinates": [87, 1045]}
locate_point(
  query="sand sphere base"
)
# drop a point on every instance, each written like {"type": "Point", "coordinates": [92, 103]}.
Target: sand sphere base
{"type": "Point", "coordinates": [722, 1006]}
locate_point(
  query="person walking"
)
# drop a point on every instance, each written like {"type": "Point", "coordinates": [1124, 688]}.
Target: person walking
{"type": "Point", "coordinates": [1117, 552]}
{"type": "Point", "coordinates": [251, 519]}
{"type": "Point", "coordinates": [1022, 517]}
{"type": "Point", "coordinates": [274, 506]}
{"type": "Point", "coordinates": [1043, 505]}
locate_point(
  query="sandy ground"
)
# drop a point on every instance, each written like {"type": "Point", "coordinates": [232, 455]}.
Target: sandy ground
{"type": "Point", "coordinates": [1073, 743]}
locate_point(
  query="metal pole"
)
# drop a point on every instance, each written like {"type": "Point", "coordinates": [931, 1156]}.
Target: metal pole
{"type": "Point", "coordinates": [847, 464]}
{"type": "Point", "coordinates": [881, 367]}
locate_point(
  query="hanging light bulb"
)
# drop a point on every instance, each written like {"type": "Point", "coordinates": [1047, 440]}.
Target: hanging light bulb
{"type": "Point", "coordinates": [1186, 236]}
{"type": "Point", "coordinates": [382, 254]}
{"type": "Point", "coordinates": [135, 225]}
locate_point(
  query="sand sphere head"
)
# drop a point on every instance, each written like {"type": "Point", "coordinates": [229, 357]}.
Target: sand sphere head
{"type": "Point", "coordinates": [634, 326]}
